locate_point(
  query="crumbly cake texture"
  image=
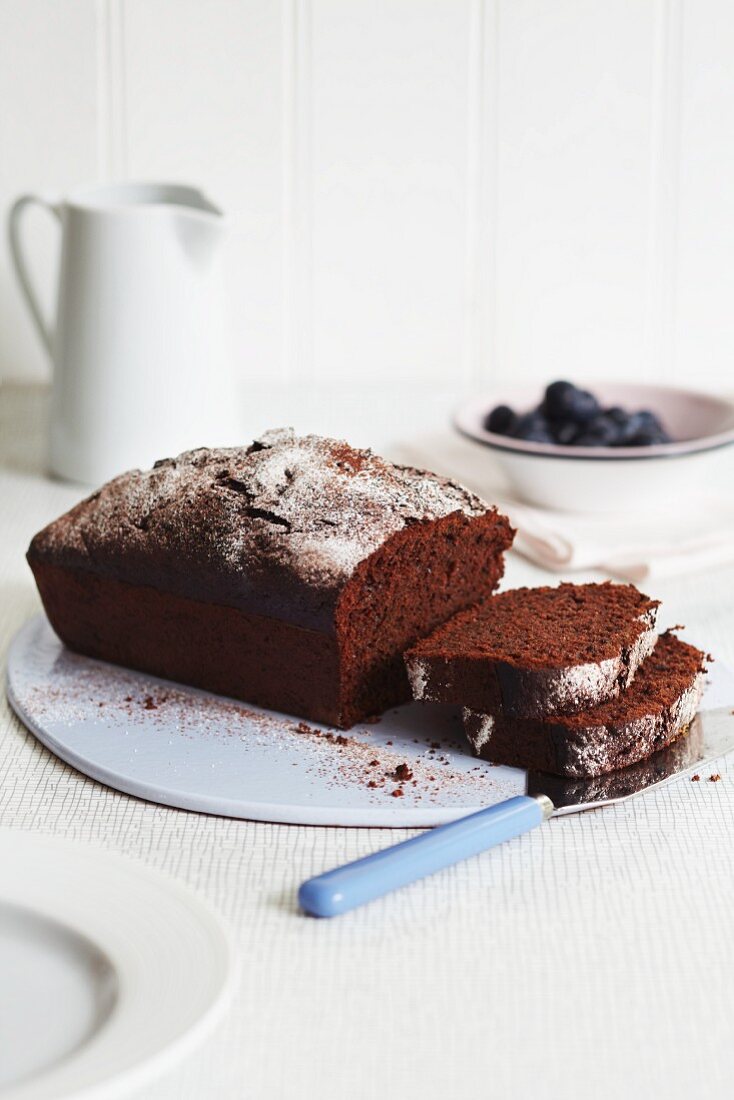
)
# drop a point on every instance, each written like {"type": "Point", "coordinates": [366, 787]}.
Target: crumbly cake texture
{"type": "Point", "coordinates": [291, 573]}
{"type": "Point", "coordinates": [655, 709]}
{"type": "Point", "coordinates": [533, 652]}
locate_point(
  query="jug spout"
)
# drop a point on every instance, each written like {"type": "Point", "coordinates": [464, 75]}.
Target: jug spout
{"type": "Point", "coordinates": [200, 232]}
{"type": "Point", "coordinates": [199, 224]}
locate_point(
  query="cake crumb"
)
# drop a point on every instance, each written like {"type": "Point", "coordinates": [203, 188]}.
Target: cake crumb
{"type": "Point", "coordinates": [714, 778]}
{"type": "Point", "coordinates": [695, 778]}
{"type": "Point", "coordinates": [149, 703]}
{"type": "Point", "coordinates": [402, 772]}
{"type": "Point", "coordinates": [398, 792]}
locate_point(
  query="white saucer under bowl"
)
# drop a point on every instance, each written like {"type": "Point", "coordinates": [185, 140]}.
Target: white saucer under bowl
{"type": "Point", "coordinates": [110, 971]}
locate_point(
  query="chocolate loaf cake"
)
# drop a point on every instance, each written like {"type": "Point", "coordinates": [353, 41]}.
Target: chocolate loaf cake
{"type": "Point", "coordinates": [292, 573]}
{"type": "Point", "coordinates": [533, 652]}
{"type": "Point", "coordinates": [659, 705]}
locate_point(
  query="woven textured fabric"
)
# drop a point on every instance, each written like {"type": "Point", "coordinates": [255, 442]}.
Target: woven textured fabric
{"type": "Point", "coordinates": [593, 956]}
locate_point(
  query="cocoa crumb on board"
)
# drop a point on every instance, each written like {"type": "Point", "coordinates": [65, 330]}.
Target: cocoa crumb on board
{"type": "Point", "coordinates": [695, 778]}
{"type": "Point", "coordinates": [402, 772]}
{"type": "Point", "coordinates": [398, 792]}
{"type": "Point", "coordinates": [714, 778]}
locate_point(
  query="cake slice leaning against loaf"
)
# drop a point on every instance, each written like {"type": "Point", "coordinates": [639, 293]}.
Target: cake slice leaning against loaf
{"type": "Point", "coordinates": [656, 708]}
{"type": "Point", "coordinates": [292, 573]}
{"type": "Point", "coordinates": [531, 652]}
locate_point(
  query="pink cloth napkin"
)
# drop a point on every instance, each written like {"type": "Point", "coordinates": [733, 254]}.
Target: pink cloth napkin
{"type": "Point", "coordinates": [631, 546]}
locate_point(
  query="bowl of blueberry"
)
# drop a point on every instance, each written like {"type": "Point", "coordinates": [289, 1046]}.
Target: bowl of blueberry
{"type": "Point", "coordinates": [613, 446]}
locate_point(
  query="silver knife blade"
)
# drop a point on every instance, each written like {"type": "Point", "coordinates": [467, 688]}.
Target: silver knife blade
{"type": "Point", "coordinates": [709, 737]}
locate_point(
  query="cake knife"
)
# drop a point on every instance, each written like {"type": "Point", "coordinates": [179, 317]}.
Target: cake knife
{"type": "Point", "coordinates": [710, 737]}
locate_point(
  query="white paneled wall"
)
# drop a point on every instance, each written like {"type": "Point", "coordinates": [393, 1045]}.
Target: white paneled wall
{"type": "Point", "coordinates": [441, 191]}
{"type": "Point", "coordinates": [49, 140]}
{"type": "Point", "coordinates": [389, 154]}
{"type": "Point", "coordinates": [573, 164]}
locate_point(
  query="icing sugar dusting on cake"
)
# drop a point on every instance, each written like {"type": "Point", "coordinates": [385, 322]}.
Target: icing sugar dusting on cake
{"type": "Point", "coordinates": [418, 677]}
{"type": "Point", "coordinates": [315, 506]}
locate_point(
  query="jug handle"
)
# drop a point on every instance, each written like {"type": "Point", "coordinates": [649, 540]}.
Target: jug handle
{"type": "Point", "coordinates": [19, 261]}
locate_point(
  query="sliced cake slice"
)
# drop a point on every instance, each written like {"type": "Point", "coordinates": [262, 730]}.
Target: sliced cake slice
{"type": "Point", "coordinates": [656, 708]}
{"type": "Point", "coordinates": [534, 652]}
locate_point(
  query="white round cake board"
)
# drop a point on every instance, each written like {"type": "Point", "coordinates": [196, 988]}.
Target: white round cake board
{"type": "Point", "coordinates": [186, 748]}
{"type": "Point", "coordinates": [181, 747]}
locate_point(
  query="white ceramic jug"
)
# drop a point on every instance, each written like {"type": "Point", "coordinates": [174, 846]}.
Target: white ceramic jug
{"type": "Point", "coordinates": [142, 368]}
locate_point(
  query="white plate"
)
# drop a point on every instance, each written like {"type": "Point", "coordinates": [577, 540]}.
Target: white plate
{"type": "Point", "coordinates": [186, 748]}
{"type": "Point", "coordinates": [110, 971]}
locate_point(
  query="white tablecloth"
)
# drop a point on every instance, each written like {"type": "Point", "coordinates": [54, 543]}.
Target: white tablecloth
{"type": "Point", "coordinates": [592, 957]}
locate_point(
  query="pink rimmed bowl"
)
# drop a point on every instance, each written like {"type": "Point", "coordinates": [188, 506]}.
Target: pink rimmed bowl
{"type": "Point", "coordinates": [613, 479]}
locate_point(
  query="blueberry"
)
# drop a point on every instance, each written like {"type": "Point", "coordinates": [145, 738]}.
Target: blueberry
{"type": "Point", "coordinates": [599, 432]}
{"type": "Point", "coordinates": [584, 407]}
{"type": "Point", "coordinates": [648, 437]}
{"type": "Point", "coordinates": [557, 398]}
{"type": "Point", "coordinates": [625, 424]}
{"type": "Point", "coordinates": [565, 432]}
{"type": "Point", "coordinates": [630, 428]}
{"type": "Point", "coordinates": [533, 427]}
{"type": "Point", "coordinates": [501, 420]}
{"type": "Point", "coordinates": [564, 401]}
{"type": "Point", "coordinates": [644, 429]}
{"type": "Point", "coordinates": [651, 424]}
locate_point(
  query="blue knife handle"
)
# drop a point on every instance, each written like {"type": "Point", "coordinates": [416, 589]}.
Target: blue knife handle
{"type": "Point", "coordinates": [355, 883]}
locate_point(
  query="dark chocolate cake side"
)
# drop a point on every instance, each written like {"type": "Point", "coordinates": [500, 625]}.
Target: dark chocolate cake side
{"type": "Point", "coordinates": [292, 573]}
{"type": "Point", "coordinates": [658, 706]}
